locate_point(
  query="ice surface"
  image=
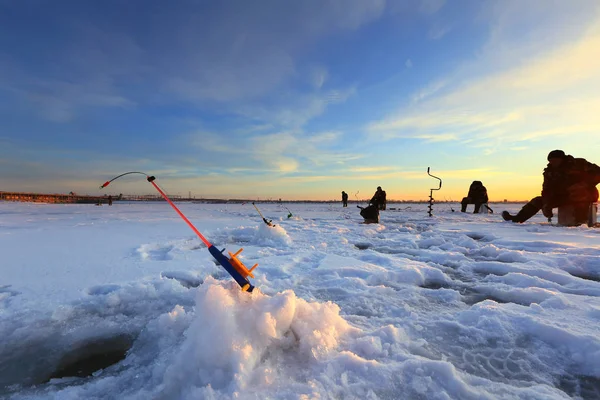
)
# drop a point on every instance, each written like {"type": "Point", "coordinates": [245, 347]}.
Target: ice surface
{"type": "Point", "coordinates": [454, 306]}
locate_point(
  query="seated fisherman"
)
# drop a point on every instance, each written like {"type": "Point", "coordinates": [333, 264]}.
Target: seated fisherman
{"type": "Point", "coordinates": [477, 195]}
{"type": "Point", "coordinates": [567, 180]}
{"type": "Point", "coordinates": [370, 214]}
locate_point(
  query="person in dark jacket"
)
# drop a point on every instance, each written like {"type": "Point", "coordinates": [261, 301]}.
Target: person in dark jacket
{"type": "Point", "coordinates": [344, 199]}
{"type": "Point", "coordinates": [383, 200]}
{"type": "Point", "coordinates": [567, 180]}
{"type": "Point", "coordinates": [370, 214]}
{"type": "Point", "coordinates": [378, 199]}
{"type": "Point", "coordinates": [477, 195]}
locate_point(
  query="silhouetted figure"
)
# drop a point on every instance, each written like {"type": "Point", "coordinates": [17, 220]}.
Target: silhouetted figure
{"type": "Point", "coordinates": [567, 180]}
{"type": "Point", "coordinates": [110, 200]}
{"type": "Point", "coordinates": [477, 195]}
{"type": "Point", "coordinates": [370, 214]}
{"type": "Point", "coordinates": [379, 199]}
{"type": "Point", "coordinates": [344, 199]}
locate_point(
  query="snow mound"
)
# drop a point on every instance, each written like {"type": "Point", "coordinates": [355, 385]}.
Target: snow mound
{"type": "Point", "coordinates": [232, 337]}
{"type": "Point", "coordinates": [230, 343]}
{"type": "Point", "coordinates": [275, 236]}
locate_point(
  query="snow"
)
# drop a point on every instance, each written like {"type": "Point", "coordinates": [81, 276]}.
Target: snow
{"type": "Point", "coordinates": [454, 306]}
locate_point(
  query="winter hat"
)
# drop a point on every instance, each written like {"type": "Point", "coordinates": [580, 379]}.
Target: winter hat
{"type": "Point", "coordinates": [556, 154]}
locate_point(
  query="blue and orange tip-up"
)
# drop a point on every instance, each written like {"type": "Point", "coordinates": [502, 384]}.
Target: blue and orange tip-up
{"type": "Point", "coordinates": [232, 265]}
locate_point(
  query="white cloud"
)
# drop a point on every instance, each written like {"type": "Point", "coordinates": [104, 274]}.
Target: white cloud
{"type": "Point", "coordinates": [290, 151]}
{"type": "Point", "coordinates": [438, 31]}
{"type": "Point", "coordinates": [60, 101]}
{"type": "Point", "coordinates": [431, 6]}
{"type": "Point", "coordinates": [408, 63]}
{"type": "Point", "coordinates": [318, 77]}
{"type": "Point", "coordinates": [554, 91]}
{"type": "Point", "coordinates": [325, 137]}
{"type": "Point", "coordinates": [233, 54]}
{"type": "Point", "coordinates": [222, 80]}
{"type": "Point", "coordinates": [293, 113]}
{"type": "Point", "coordinates": [428, 90]}
{"type": "Point", "coordinates": [369, 169]}
{"type": "Point", "coordinates": [286, 164]}
{"type": "Point", "coordinates": [250, 54]}
{"type": "Point", "coordinates": [82, 74]}
{"type": "Point", "coordinates": [211, 142]}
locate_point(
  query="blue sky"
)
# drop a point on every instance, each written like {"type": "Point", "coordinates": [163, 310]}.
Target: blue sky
{"type": "Point", "coordinates": [295, 100]}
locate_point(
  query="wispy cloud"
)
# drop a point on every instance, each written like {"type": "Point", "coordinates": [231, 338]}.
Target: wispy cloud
{"type": "Point", "coordinates": [428, 90]}
{"type": "Point", "coordinates": [212, 142]}
{"type": "Point", "coordinates": [226, 58]}
{"type": "Point", "coordinates": [292, 151]}
{"type": "Point", "coordinates": [60, 100]}
{"type": "Point", "coordinates": [81, 74]}
{"type": "Point", "coordinates": [318, 76]}
{"type": "Point", "coordinates": [431, 6]}
{"type": "Point", "coordinates": [294, 113]}
{"type": "Point", "coordinates": [242, 60]}
{"type": "Point", "coordinates": [556, 91]}
{"type": "Point", "coordinates": [438, 31]}
{"type": "Point", "coordinates": [468, 174]}
{"type": "Point", "coordinates": [370, 169]}
{"type": "Point", "coordinates": [274, 152]}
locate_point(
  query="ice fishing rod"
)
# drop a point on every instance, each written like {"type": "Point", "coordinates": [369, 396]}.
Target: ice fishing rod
{"type": "Point", "coordinates": [451, 209]}
{"type": "Point", "coordinates": [232, 265]}
{"type": "Point", "coordinates": [290, 215]}
{"type": "Point", "coordinates": [431, 193]}
{"type": "Point", "coordinates": [269, 222]}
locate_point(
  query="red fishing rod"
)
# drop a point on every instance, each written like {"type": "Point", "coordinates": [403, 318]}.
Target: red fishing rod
{"type": "Point", "coordinates": [232, 265]}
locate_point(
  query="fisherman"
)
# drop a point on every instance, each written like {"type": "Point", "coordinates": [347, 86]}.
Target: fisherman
{"type": "Point", "coordinates": [567, 180]}
{"type": "Point", "coordinates": [110, 200]}
{"type": "Point", "coordinates": [383, 200]}
{"type": "Point", "coordinates": [477, 195]}
{"type": "Point", "coordinates": [370, 214]}
{"type": "Point", "coordinates": [344, 199]}
{"type": "Point", "coordinates": [378, 199]}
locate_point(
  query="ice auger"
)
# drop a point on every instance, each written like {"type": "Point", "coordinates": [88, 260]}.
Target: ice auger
{"type": "Point", "coordinates": [431, 200]}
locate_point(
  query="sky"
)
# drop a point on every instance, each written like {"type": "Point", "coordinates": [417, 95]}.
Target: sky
{"type": "Point", "coordinates": [296, 100]}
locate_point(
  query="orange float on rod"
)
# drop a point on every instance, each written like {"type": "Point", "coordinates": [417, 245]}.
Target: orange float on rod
{"type": "Point", "coordinates": [239, 266]}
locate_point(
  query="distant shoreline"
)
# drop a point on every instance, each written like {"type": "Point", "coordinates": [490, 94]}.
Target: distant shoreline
{"type": "Point", "coordinates": [57, 198]}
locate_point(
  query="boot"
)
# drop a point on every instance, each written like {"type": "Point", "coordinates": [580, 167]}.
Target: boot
{"type": "Point", "coordinates": [463, 207]}
{"type": "Point", "coordinates": [528, 211]}
{"type": "Point", "coordinates": [477, 207]}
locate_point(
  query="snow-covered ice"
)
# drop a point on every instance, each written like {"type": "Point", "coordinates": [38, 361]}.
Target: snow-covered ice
{"type": "Point", "coordinates": [458, 306]}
